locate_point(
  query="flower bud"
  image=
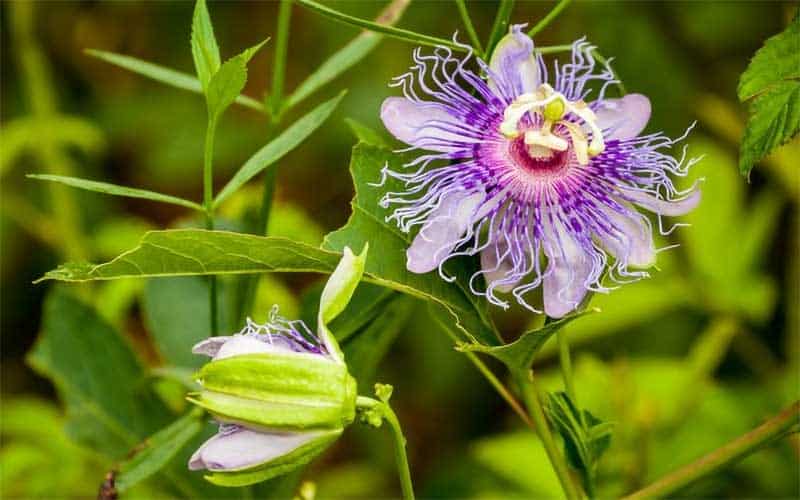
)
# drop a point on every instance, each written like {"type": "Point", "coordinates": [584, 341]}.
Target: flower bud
{"type": "Point", "coordinates": [281, 393]}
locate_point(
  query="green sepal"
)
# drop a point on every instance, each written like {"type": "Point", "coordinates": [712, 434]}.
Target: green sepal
{"type": "Point", "coordinates": [278, 391]}
{"type": "Point", "coordinates": [337, 294]}
{"type": "Point", "coordinates": [281, 465]}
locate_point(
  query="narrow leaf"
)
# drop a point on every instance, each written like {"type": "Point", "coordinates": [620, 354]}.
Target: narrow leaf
{"type": "Point", "coordinates": [347, 56]}
{"type": "Point", "coordinates": [186, 252]}
{"type": "Point", "coordinates": [113, 189]}
{"type": "Point", "coordinates": [165, 75]}
{"type": "Point", "coordinates": [158, 450]}
{"type": "Point", "coordinates": [228, 82]}
{"type": "Point", "coordinates": [519, 355]}
{"type": "Point", "coordinates": [205, 51]}
{"type": "Point", "coordinates": [400, 34]}
{"type": "Point", "coordinates": [278, 147]}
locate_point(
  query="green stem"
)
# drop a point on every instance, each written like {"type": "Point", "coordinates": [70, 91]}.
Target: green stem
{"type": "Point", "coordinates": [500, 25]}
{"type": "Point", "coordinates": [281, 51]}
{"type": "Point", "coordinates": [565, 361]}
{"type": "Point", "coordinates": [401, 459]}
{"type": "Point", "coordinates": [546, 20]}
{"type": "Point", "coordinates": [469, 27]}
{"type": "Point", "coordinates": [530, 394]}
{"type": "Point", "coordinates": [208, 204]}
{"type": "Point", "coordinates": [488, 375]}
{"type": "Point", "coordinates": [391, 32]}
{"type": "Point", "coordinates": [723, 457]}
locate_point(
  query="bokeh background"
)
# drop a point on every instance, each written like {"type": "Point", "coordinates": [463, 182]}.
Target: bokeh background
{"type": "Point", "coordinates": [681, 363]}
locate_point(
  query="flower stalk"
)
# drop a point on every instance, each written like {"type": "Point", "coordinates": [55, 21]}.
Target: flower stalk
{"type": "Point", "coordinates": [374, 412]}
{"type": "Point", "coordinates": [530, 394]}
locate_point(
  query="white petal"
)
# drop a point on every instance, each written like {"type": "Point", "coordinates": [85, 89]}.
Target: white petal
{"type": "Point", "coordinates": [568, 269]}
{"type": "Point", "coordinates": [514, 66]}
{"type": "Point", "coordinates": [442, 230]}
{"type": "Point", "coordinates": [634, 246]}
{"type": "Point", "coordinates": [243, 344]}
{"type": "Point", "coordinates": [210, 346]}
{"type": "Point", "coordinates": [493, 270]}
{"type": "Point", "coordinates": [245, 448]}
{"type": "Point", "coordinates": [623, 118]}
{"type": "Point", "coordinates": [664, 207]}
{"type": "Point", "coordinates": [421, 124]}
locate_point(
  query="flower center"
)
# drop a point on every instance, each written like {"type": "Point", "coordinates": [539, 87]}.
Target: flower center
{"type": "Point", "coordinates": [537, 159]}
{"type": "Point", "coordinates": [552, 107]}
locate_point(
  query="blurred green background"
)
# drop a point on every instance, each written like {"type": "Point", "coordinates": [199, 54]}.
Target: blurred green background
{"type": "Point", "coordinates": [681, 363]}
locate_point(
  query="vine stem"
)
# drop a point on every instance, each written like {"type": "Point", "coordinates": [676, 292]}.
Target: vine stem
{"type": "Point", "coordinates": [208, 204]}
{"type": "Point", "coordinates": [737, 449]}
{"type": "Point", "coordinates": [565, 360]}
{"type": "Point", "coordinates": [469, 27]}
{"type": "Point", "coordinates": [530, 394]}
{"type": "Point", "coordinates": [401, 458]}
{"type": "Point", "coordinates": [546, 20]}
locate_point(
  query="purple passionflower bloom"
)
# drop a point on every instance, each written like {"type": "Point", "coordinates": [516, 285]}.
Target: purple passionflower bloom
{"type": "Point", "coordinates": [533, 169]}
{"type": "Point", "coordinates": [236, 446]}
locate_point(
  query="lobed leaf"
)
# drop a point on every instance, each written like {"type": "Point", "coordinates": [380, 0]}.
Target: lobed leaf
{"type": "Point", "coordinates": [519, 355]}
{"type": "Point", "coordinates": [165, 75]}
{"type": "Point", "coordinates": [278, 147]}
{"type": "Point", "coordinates": [205, 50]}
{"type": "Point", "coordinates": [115, 190]}
{"type": "Point", "coordinates": [387, 263]}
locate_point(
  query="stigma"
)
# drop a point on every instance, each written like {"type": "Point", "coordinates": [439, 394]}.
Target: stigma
{"type": "Point", "coordinates": [552, 107]}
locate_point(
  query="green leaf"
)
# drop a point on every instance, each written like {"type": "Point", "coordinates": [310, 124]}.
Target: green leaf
{"type": "Point", "coordinates": [278, 147]}
{"type": "Point", "coordinates": [773, 63]}
{"type": "Point", "coordinates": [205, 51]}
{"type": "Point", "coordinates": [177, 316]}
{"type": "Point", "coordinates": [365, 134]}
{"type": "Point", "coordinates": [400, 34]}
{"type": "Point", "coordinates": [186, 252]}
{"type": "Point", "coordinates": [228, 82]}
{"type": "Point", "coordinates": [115, 190]}
{"type": "Point", "coordinates": [97, 376]}
{"type": "Point", "coordinates": [365, 348]}
{"type": "Point", "coordinates": [772, 83]}
{"type": "Point", "coordinates": [387, 264]}
{"type": "Point", "coordinates": [347, 56]}
{"type": "Point", "coordinates": [158, 450]}
{"type": "Point", "coordinates": [585, 436]}
{"type": "Point", "coordinates": [164, 75]}
{"type": "Point", "coordinates": [519, 355]}
{"type": "Point", "coordinates": [774, 120]}
{"type": "Point", "coordinates": [337, 293]}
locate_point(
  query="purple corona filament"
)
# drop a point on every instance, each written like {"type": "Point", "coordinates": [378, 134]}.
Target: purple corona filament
{"type": "Point", "coordinates": [529, 170]}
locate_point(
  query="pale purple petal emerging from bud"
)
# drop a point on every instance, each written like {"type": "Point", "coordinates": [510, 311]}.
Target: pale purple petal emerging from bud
{"type": "Point", "coordinates": [236, 448]}
{"type": "Point", "coordinates": [517, 169]}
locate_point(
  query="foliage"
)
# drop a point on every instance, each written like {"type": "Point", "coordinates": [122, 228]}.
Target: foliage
{"type": "Point", "coordinates": [771, 84]}
{"type": "Point", "coordinates": [683, 362]}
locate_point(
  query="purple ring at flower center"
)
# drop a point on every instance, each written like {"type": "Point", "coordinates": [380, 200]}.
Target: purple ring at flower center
{"type": "Point", "coordinates": [552, 164]}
